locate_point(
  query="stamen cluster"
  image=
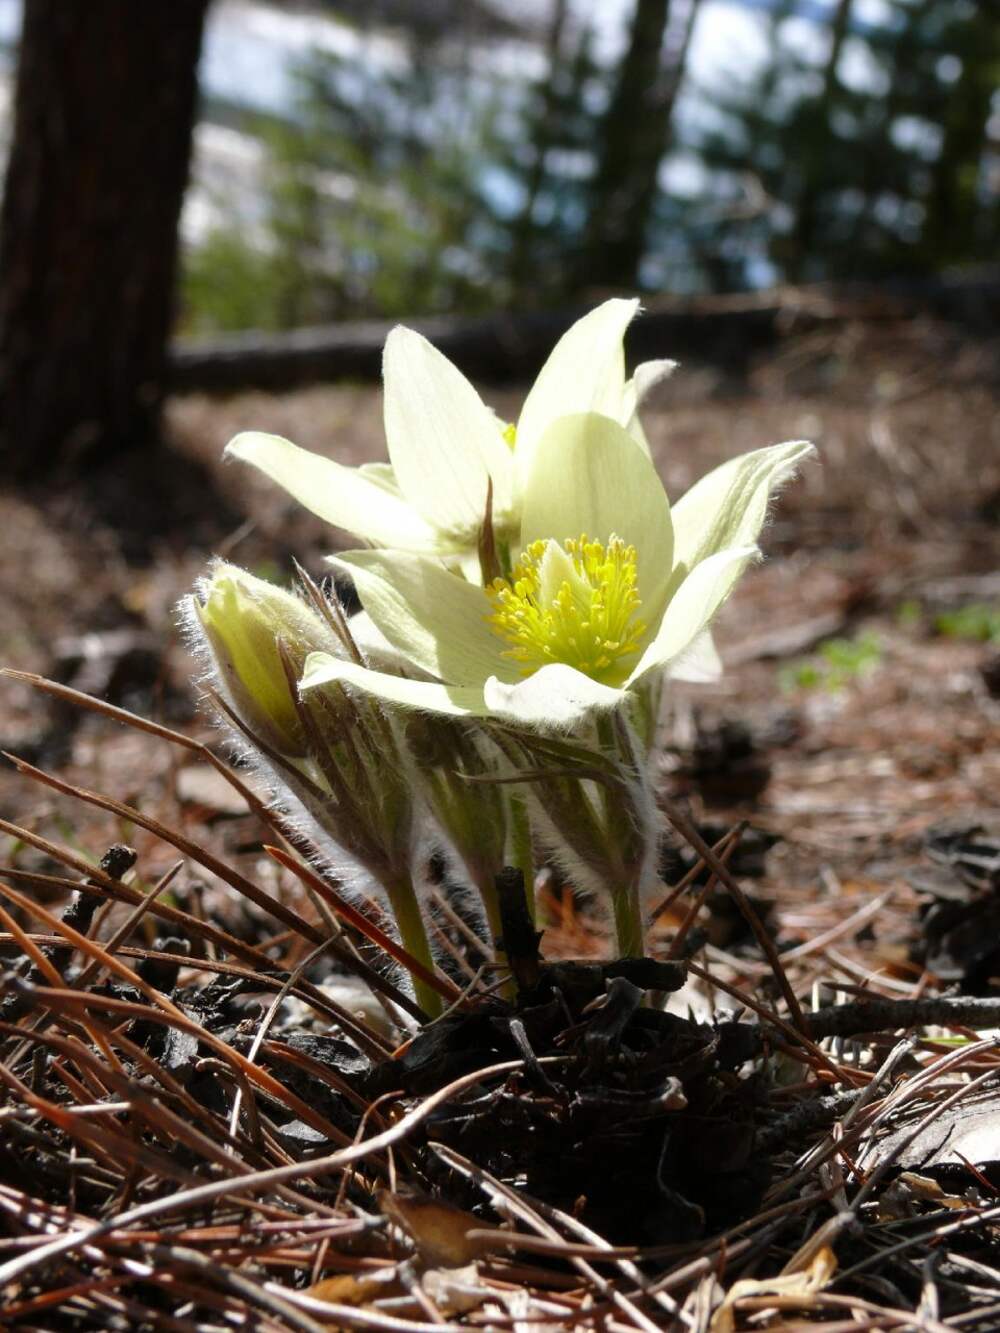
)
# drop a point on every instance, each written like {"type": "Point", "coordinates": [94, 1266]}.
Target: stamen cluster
{"type": "Point", "coordinates": [573, 602]}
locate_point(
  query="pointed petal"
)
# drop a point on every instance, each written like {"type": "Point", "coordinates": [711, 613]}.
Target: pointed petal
{"type": "Point", "coordinates": [444, 442]}
{"type": "Point", "coordinates": [434, 618]}
{"type": "Point", "coordinates": [646, 377]}
{"type": "Point", "coordinates": [555, 697]}
{"type": "Point", "coordinates": [376, 649]}
{"type": "Point", "coordinates": [382, 474]}
{"type": "Point", "coordinates": [693, 606]}
{"type": "Point", "coordinates": [728, 506]}
{"type": "Point", "coordinates": [555, 569]}
{"type": "Point", "coordinates": [427, 696]}
{"type": "Point", "coordinates": [343, 496]}
{"type": "Point", "coordinates": [590, 476]}
{"type": "Point", "coordinates": [699, 663]}
{"type": "Point", "coordinates": [584, 373]}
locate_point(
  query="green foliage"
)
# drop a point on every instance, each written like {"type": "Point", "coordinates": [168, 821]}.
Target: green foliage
{"type": "Point", "coordinates": [837, 664]}
{"type": "Point", "coordinates": [550, 163]}
{"type": "Point", "coordinates": [978, 621]}
{"type": "Point", "coordinates": [229, 284]}
{"type": "Point", "coordinates": [373, 203]}
{"type": "Point", "coordinates": [866, 158]}
{"type": "Point", "coordinates": [909, 614]}
{"type": "Point", "coordinates": [419, 175]}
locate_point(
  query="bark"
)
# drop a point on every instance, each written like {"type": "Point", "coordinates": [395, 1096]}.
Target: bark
{"type": "Point", "coordinates": [634, 138]}
{"type": "Point", "coordinates": [104, 111]}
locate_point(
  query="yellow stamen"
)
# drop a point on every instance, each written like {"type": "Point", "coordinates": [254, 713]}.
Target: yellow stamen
{"type": "Point", "coordinates": [572, 602]}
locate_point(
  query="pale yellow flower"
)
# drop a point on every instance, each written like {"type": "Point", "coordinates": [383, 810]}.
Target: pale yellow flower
{"type": "Point", "coordinates": [611, 587]}
{"type": "Point", "coordinates": [447, 448]}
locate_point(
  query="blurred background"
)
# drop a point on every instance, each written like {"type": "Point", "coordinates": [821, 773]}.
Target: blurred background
{"type": "Point", "coordinates": [214, 210]}
{"type": "Point", "coordinates": [211, 167]}
{"type": "Point", "coordinates": [420, 156]}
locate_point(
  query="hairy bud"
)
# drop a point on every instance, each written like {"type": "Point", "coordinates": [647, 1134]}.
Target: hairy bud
{"type": "Point", "coordinates": [248, 623]}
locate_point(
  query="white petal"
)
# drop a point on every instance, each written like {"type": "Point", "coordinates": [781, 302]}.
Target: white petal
{"type": "Point", "coordinates": [647, 376]}
{"type": "Point", "coordinates": [427, 696]}
{"type": "Point", "coordinates": [699, 663]}
{"type": "Point", "coordinates": [434, 618]}
{"type": "Point", "coordinates": [376, 649]}
{"type": "Point", "coordinates": [589, 476]}
{"type": "Point", "coordinates": [444, 442]}
{"type": "Point", "coordinates": [468, 566]}
{"type": "Point", "coordinates": [693, 606]}
{"type": "Point", "coordinates": [556, 697]}
{"type": "Point", "coordinates": [728, 506]}
{"type": "Point", "coordinates": [343, 496]}
{"type": "Point", "coordinates": [382, 474]}
{"type": "Point", "coordinates": [584, 373]}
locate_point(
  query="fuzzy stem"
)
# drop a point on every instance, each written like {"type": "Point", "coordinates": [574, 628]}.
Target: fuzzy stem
{"type": "Point", "coordinates": [645, 714]}
{"type": "Point", "coordinates": [485, 883]}
{"type": "Point", "coordinates": [626, 898]}
{"type": "Point", "coordinates": [483, 880]}
{"type": "Point", "coordinates": [628, 919]}
{"type": "Point", "coordinates": [521, 856]}
{"type": "Point", "coordinates": [413, 936]}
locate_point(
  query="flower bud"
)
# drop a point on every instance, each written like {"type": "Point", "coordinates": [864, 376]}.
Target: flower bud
{"type": "Point", "coordinates": [243, 619]}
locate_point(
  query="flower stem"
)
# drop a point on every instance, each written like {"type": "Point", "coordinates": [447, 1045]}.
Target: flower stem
{"type": "Point", "coordinates": [521, 853]}
{"type": "Point", "coordinates": [624, 833]}
{"type": "Point", "coordinates": [413, 936]}
{"type": "Point", "coordinates": [628, 920]}
{"type": "Point", "coordinates": [484, 882]}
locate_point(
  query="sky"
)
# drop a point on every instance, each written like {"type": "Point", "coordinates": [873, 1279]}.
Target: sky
{"type": "Point", "coordinates": [251, 48]}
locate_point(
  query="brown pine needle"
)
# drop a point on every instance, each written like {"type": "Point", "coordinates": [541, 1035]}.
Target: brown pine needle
{"type": "Point", "coordinates": [445, 988]}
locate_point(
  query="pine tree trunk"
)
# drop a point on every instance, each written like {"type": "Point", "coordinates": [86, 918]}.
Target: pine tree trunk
{"type": "Point", "coordinates": [104, 112]}
{"type": "Point", "coordinates": [803, 240]}
{"type": "Point", "coordinates": [634, 137]}
{"type": "Point", "coordinates": [956, 198]}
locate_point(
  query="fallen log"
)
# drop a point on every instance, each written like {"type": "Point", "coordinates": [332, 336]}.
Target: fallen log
{"type": "Point", "coordinates": [725, 331]}
{"type": "Point", "coordinates": [497, 348]}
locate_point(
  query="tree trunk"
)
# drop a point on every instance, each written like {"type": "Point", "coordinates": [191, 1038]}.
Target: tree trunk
{"type": "Point", "coordinates": [801, 243]}
{"type": "Point", "coordinates": [956, 198]}
{"type": "Point", "coordinates": [104, 112]}
{"type": "Point", "coordinates": [634, 138]}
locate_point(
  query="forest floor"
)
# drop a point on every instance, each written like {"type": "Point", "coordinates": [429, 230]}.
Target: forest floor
{"type": "Point", "coordinates": [888, 546]}
{"type": "Point", "coordinates": [858, 714]}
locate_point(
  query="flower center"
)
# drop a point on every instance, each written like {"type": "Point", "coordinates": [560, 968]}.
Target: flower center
{"type": "Point", "coordinates": [571, 602]}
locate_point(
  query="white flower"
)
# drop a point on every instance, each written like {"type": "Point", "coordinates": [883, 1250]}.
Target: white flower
{"type": "Point", "coordinates": [447, 448]}
{"type": "Point", "coordinates": [610, 588]}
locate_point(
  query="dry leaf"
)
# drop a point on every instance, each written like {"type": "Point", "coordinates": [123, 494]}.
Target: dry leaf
{"type": "Point", "coordinates": [801, 1285]}
{"type": "Point", "coordinates": [358, 1289]}
{"type": "Point", "coordinates": [456, 1291]}
{"type": "Point", "coordinates": [902, 1197]}
{"type": "Point", "coordinates": [439, 1230]}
